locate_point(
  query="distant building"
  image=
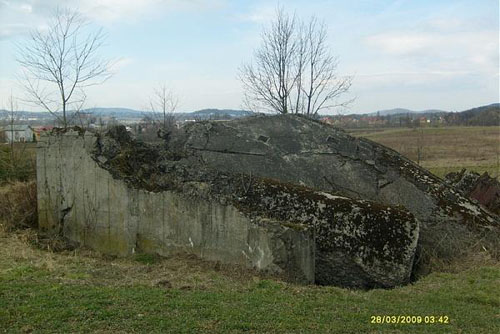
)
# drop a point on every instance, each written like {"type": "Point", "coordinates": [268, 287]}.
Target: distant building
{"type": "Point", "coordinates": [18, 133]}
{"type": "Point", "coordinates": [38, 130]}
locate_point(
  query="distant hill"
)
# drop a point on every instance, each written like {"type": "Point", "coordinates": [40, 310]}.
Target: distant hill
{"type": "Point", "coordinates": [199, 114]}
{"type": "Point", "coordinates": [117, 112]}
{"type": "Point", "coordinates": [25, 115]}
{"type": "Point", "coordinates": [487, 115]}
{"type": "Point", "coordinates": [397, 111]}
{"type": "Point", "coordinates": [484, 115]}
{"type": "Point", "coordinates": [131, 114]}
{"type": "Point", "coordinates": [220, 113]}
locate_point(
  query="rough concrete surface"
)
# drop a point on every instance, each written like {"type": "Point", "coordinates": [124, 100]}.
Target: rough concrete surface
{"type": "Point", "coordinates": [301, 151]}
{"type": "Point", "coordinates": [298, 150]}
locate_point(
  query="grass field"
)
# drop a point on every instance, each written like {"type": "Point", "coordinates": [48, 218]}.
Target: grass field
{"type": "Point", "coordinates": [445, 149]}
{"type": "Point", "coordinates": [80, 291]}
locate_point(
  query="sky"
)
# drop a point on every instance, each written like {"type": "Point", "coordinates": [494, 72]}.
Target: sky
{"type": "Point", "coordinates": [425, 54]}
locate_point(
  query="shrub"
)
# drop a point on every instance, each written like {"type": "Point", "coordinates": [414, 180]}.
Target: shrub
{"type": "Point", "coordinates": [17, 165]}
{"type": "Point", "coordinates": [18, 208]}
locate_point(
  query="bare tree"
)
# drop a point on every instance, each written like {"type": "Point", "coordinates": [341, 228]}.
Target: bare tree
{"type": "Point", "coordinates": [268, 82]}
{"type": "Point", "coordinates": [322, 86]}
{"type": "Point", "coordinates": [160, 121]}
{"type": "Point", "coordinates": [294, 70]}
{"type": "Point", "coordinates": [163, 104]}
{"type": "Point", "coordinates": [60, 62]}
{"type": "Point", "coordinates": [301, 60]}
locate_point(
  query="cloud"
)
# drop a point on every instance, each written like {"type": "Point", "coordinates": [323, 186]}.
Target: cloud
{"type": "Point", "coordinates": [133, 10]}
{"type": "Point", "coordinates": [8, 30]}
{"type": "Point", "coordinates": [259, 14]}
{"type": "Point", "coordinates": [402, 43]}
{"type": "Point", "coordinates": [113, 10]}
{"type": "Point", "coordinates": [414, 79]}
{"type": "Point", "coordinates": [474, 51]}
{"type": "Point", "coordinates": [34, 13]}
{"type": "Point", "coordinates": [120, 63]}
{"type": "Point", "coordinates": [445, 62]}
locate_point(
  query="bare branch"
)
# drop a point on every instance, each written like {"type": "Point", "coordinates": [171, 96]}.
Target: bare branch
{"type": "Point", "coordinates": [62, 61]}
{"type": "Point", "coordinates": [270, 81]}
{"type": "Point", "coordinates": [163, 104]}
{"type": "Point", "coordinates": [293, 70]}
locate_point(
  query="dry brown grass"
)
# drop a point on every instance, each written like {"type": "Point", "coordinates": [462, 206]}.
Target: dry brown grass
{"type": "Point", "coordinates": [84, 266]}
{"type": "Point", "coordinates": [18, 209]}
{"type": "Point", "coordinates": [455, 248]}
{"type": "Point", "coordinates": [23, 245]}
{"type": "Point", "coordinates": [445, 149]}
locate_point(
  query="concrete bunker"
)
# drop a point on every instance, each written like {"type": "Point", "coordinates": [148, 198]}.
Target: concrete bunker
{"type": "Point", "coordinates": [309, 203]}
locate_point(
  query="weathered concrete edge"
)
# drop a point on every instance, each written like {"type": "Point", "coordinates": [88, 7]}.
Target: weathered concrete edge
{"type": "Point", "coordinates": [85, 204]}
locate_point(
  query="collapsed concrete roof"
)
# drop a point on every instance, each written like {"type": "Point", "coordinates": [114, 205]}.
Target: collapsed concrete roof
{"type": "Point", "coordinates": [302, 151]}
{"type": "Point", "coordinates": [298, 150]}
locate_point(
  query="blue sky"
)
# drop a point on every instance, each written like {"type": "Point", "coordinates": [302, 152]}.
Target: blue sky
{"type": "Point", "coordinates": [403, 53]}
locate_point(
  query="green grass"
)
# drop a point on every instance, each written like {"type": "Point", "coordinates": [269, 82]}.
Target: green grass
{"type": "Point", "coordinates": [71, 292]}
{"type": "Point", "coordinates": [147, 258]}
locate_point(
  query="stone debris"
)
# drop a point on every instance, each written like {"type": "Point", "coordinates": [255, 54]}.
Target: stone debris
{"type": "Point", "coordinates": [482, 188]}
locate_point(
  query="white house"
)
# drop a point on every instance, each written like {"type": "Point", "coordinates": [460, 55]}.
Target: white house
{"type": "Point", "coordinates": [18, 133]}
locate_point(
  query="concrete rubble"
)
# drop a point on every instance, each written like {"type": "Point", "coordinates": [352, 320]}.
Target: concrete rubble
{"type": "Point", "coordinates": [482, 188]}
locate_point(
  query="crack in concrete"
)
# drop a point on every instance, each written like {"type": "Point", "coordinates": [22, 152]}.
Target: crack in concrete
{"type": "Point", "coordinates": [227, 151]}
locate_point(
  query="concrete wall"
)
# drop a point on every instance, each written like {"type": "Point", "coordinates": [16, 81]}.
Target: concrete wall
{"type": "Point", "coordinates": [88, 206]}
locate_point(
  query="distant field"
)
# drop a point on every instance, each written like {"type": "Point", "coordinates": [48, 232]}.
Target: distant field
{"type": "Point", "coordinates": [444, 149]}
{"type": "Point", "coordinates": [83, 292]}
